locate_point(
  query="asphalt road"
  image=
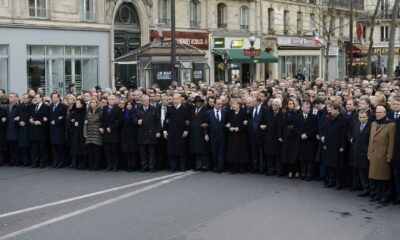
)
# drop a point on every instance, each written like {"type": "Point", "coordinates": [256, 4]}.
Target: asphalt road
{"type": "Point", "coordinates": [37, 204]}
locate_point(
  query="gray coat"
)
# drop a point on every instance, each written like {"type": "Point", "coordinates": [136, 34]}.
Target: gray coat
{"type": "Point", "coordinates": [92, 125]}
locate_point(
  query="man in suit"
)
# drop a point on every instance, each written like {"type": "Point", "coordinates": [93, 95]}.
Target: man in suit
{"type": "Point", "coordinates": [3, 130]}
{"type": "Point", "coordinates": [395, 116]}
{"type": "Point", "coordinates": [12, 129]}
{"type": "Point", "coordinates": [322, 113]}
{"type": "Point", "coordinates": [256, 135]}
{"type": "Point", "coordinates": [149, 131]}
{"type": "Point", "coordinates": [305, 127]}
{"type": "Point", "coordinates": [57, 117]}
{"type": "Point", "coordinates": [199, 135]}
{"type": "Point", "coordinates": [176, 131]}
{"type": "Point", "coordinates": [162, 142]}
{"type": "Point", "coordinates": [39, 120]}
{"type": "Point", "coordinates": [110, 123]}
{"type": "Point", "coordinates": [217, 134]}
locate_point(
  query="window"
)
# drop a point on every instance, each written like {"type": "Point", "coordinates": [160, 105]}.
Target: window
{"type": "Point", "coordinates": [54, 68]}
{"type": "Point", "coordinates": [4, 67]}
{"type": "Point", "coordinates": [341, 26]}
{"type": "Point", "coordinates": [271, 18]}
{"type": "Point", "coordinates": [286, 21]}
{"type": "Point", "coordinates": [194, 14]}
{"type": "Point", "coordinates": [38, 8]}
{"type": "Point", "coordinates": [384, 33]}
{"type": "Point", "coordinates": [333, 27]}
{"type": "Point", "coordinates": [221, 15]}
{"type": "Point", "coordinates": [164, 7]}
{"type": "Point", "coordinates": [244, 18]}
{"type": "Point", "coordinates": [88, 12]}
{"type": "Point", "coordinates": [299, 23]}
{"type": "Point", "coordinates": [312, 22]}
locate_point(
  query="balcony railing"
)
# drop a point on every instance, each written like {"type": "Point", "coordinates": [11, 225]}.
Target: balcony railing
{"type": "Point", "coordinates": [38, 12]}
{"type": "Point", "coordinates": [222, 25]}
{"type": "Point", "coordinates": [244, 27]}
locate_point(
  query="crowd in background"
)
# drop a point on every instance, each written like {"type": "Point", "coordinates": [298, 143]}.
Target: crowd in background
{"type": "Point", "coordinates": [343, 133]}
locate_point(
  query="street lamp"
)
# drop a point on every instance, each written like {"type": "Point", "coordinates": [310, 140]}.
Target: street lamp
{"type": "Point", "coordinates": [252, 40]}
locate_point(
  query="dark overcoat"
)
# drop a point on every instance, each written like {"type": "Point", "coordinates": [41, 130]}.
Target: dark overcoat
{"type": "Point", "coordinates": [360, 145]}
{"type": "Point", "coordinates": [335, 138]}
{"type": "Point", "coordinates": [396, 157]}
{"type": "Point", "coordinates": [23, 132]}
{"type": "Point", "coordinates": [39, 132]}
{"type": "Point", "coordinates": [198, 145]}
{"type": "Point", "coordinates": [216, 129]}
{"type": "Point", "coordinates": [306, 147]}
{"type": "Point", "coordinates": [113, 120]}
{"type": "Point", "coordinates": [289, 149]}
{"type": "Point", "coordinates": [151, 124]}
{"type": "Point", "coordinates": [129, 132]}
{"type": "Point", "coordinates": [12, 125]}
{"type": "Point", "coordinates": [237, 142]}
{"type": "Point", "coordinates": [176, 122]}
{"type": "Point", "coordinates": [78, 147]}
{"type": "Point", "coordinates": [57, 131]}
{"type": "Point", "coordinates": [3, 129]}
{"type": "Point", "coordinates": [272, 146]}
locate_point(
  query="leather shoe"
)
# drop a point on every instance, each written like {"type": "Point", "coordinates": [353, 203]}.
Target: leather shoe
{"type": "Point", "coordinates": [384, 201]}
{"type": "Point", "coordinates": [363, 194]}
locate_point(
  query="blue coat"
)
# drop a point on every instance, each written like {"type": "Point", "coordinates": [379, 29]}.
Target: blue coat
{"type": "Point", "coordinates": [57, 131]}
{"type": "Point", "coordinates": [12, 126]}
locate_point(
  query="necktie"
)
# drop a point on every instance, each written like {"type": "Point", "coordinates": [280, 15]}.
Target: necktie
{"type": "Point", "coordinates": [54, 107]}
{"type": "Point", "coordinates": [396, 115]}
{"type": "Point", "coordinates": [305, 116]}
{"type": "Point", "coordinates": [37, 108]}
{"type": "Point", "coordinates": [109, 109]}
{"type": "Point", "coordinates": [197, 111]}
{"type": "Point", "coordinates": [218, 117]}
{"type": "Point", "coordinates": [275, 113]}
{"type": "Point", "coordinates": [255, 113]}
{"type": "Point", "coordinates": [362, 127]}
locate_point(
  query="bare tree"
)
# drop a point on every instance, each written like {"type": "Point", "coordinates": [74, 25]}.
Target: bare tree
{"type": "Point", "coordinates": [392, 38]}
{"type": "Point", "coordinates": [371, 35]}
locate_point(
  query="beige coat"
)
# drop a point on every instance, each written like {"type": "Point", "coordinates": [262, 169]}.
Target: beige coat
{"type": "Point", "coordinates": [381, 150]}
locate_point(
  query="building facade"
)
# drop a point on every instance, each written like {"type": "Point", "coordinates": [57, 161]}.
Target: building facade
{"type": "Point", "coordinates": [51, 44]}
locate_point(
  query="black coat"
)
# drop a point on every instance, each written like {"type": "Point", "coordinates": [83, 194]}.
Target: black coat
{"type": "Point", "coordinates": [39, 132]}
{"type": "Point", "coordinates": [396, 158]}
{"type": "Point", "coordinates": [78, 147]}
{"type": "Point", "coordinates": [24, 115]}
{"type": "Point", "coordinates": [12, 125]}
{"type": "Point", "coordinates": [360, 146]}
{"type": "Point", "coordinates": [112, 120]}
{"type": "Point", "coordinates": [306, 147]}
{"type": "Point", "coordinates": [335, 138]}
{"type": "Point", "coordinates": [272, 146]}
{"type": "Point", "coordinates": [151, 124]}
{"type": "Point", "coordinates": [57, 131]}
{"type": "Point", "coordinates": [3, 129]}
{"type": "Point", "coordinates": [129, 132]}
{"type": "Point", "coordinates": [198, 144]}
{"type": "Point", "coordinates": [176, 122]}
{"type": "Point", "coordinates": [237, 142]}
{"type": "Point", "coordinates": [256, 134]}
{"type": "Point", "coordinates": [289, 149]}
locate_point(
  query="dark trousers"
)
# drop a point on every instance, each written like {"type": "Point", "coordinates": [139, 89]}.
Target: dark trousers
{"type": "Point", "coordinates": [13, 158]}
{"type": "Point", "coordinates": [307, 169]}
{"type": "Point", "coordinates": [380, 189]}
{"type": "Point", "coordinates": [293, 167]}
{"type": "Point", "coordinates": [257, 156]}
{"type": "Point", "coordinates": [111, 151]}
{"type": "Point", "coordinates": [274, 166]}
{"type": "Point", "coordinates": [356, 178]}
{"type": "Point", "coordinates": [202, 161]}
{"type": "Point", "coordinates": [24, 156]}
{"type": "Point", "coordinates": [94, 156]}
{"type": "Point", "coordinates": [58, 154]}
{"type": "Point", "coordinates": [175, 160]}
{"type": "Point", "coordinates": [131, 160]}
{"type": "Point", "coordinates": [161, 153]}
{"type": "Point", "coordinates": [218, 155]}
{"type": "Point", "coordinates": [396, 176]}
{"type": "Point", "coordinates": [39, 153]}
{"type": "Point", "coordinates": [335, 176]}
{"type": "Point", "coordinates": [363, 176]}
{"type": "Point", "coordinates": [2, 157]}
{"type": "Point", "coordinates": [148, 156]}
{"type": "Point", "coordinates": [319, 159]}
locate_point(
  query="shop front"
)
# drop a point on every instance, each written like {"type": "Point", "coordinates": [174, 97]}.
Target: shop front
{"type": "Point", "coordinates": [360, 62]}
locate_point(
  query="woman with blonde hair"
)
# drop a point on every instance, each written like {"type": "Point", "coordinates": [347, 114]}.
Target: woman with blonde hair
{"type": "Point", "coordinates": [93, 136]}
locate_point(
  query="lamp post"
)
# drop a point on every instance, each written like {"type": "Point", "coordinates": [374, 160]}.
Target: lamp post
{"type": "Point", "coordinates": [252, 40]}
{"type": "Point", "coordinates": [173, 41]}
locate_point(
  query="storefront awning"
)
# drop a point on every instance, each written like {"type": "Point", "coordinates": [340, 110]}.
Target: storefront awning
{"type": "Point", "coordinates": [237, 56]}
{"type": "Point", "coordinates": [357, 49]}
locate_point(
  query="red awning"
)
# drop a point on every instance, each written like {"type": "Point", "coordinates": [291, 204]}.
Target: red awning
{"type": "Point", "coordinates": [357, 49]}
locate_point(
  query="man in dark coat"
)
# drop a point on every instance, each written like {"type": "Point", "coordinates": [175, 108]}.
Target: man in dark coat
{"type": "Point", "coordinates": [322, 123]}
{"type": "Point", "coordinates": [360, 140]}
{"type": "Point", "coordinates": [395, 116]}
{"type": "Point", "coordinates": [57, 130]}
{"type": "Point", "coordinates": [199, 135]}
{"type": "Point", "coordinates": [176, 131]}
{"type": "Point", "coordinates": [149, 131]}
{"type": "Point", "coordinates": [39, 131]}
{"type": "Point", "coordinates": [217, 133]}
{"type": "Point", "coordinates": [12, 129]}
{"type": "Point", "coordinates": [3, 132]}
{"type": "Point", "coordinates": [334, 146]}
{"type": "Point", "coordinates": [305, 126]}
{"type": "Point", "coordinates": [111, 120]}
{"type": "Point", "coordinates": [24, 143]}
{"type": "Point", "coordinates": [162, 142]}
{"type": "Point", "coordinates": [270, 124]}
{"type": "Point", "coordinates": [256, 135]}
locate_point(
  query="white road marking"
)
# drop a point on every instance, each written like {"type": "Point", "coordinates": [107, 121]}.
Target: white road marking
{"type": "Point", "coordinates": [93, 207]}
{"type": "Point", "coordinates": [87, 195]}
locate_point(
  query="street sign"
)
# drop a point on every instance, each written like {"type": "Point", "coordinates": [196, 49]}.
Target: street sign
{"type": "Point", "coordinates": [252, 52]}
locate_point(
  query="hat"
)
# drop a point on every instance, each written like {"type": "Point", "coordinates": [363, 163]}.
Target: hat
{"type": "Point", "coordinates": [198, 99]}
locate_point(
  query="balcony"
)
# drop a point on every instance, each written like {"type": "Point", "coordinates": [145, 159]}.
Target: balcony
{"type": "Point", "coordinates": [194, 24]}
{"type": "Point", "coordinates": [221, 25]}
{"type": "Point", "coordinates": [244, 27]}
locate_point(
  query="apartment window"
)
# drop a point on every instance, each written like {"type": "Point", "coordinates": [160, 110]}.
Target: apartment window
{"type": "Point", "coordinates": [271, 18]}
{"type": "Point", "coordinates": [384, 33]}
{"type": "Point", "coordinates": [333, 26]}
{"type": "Point", "coordinates": [164, 7]}
{"type": "Point", "coordinates": [244, 18]}
{"type": "Point", "coordinates": [194, 13]}
{"type": "Point", "coordinates": [385, 8]}
{"type": "Point", "coordinates": [313, 25]}
{"type": "Point", "coordinates": [37, 8]}
{"type": "Point", "coordinates": [88, 12]}
{"type": "Point", "coordinates": [299, 23]}
{"type": "Point", "coordinates": [4, 67]}
{"type": "Point", "coordinates": [286, 21]}
{"type": "Point", "coordinates": [54, 68]}
{"type": "Point", "coordinates": [341, 26]}
{"type": "Point", "coordinates": [221, 15]}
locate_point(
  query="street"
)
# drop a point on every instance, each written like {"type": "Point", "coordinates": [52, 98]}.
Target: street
{"type": "Point", "coordinates": [37, 204]}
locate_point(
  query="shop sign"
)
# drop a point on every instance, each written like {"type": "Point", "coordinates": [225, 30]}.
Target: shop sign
{"type": "Point", "coordinates": [195, 39]}
{"type": "Point", "coordinates": [198, 70]}
{"type": "Point", "coordinates": [297, 41]}
{"type": "Point", "coordinates": [252, 52]}
{"type": "Point", "coordinates": [162, 72]}
{"type": "Point", "coordinates": [384, 51]}
{"type": "Point", "coordinates": [219, 42]}
{"type": "Point", "coordinates": [237, 43]}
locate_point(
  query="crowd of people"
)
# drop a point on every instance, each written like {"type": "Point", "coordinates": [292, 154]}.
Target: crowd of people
{"type": "Point", "coordinates": [343, 133]}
